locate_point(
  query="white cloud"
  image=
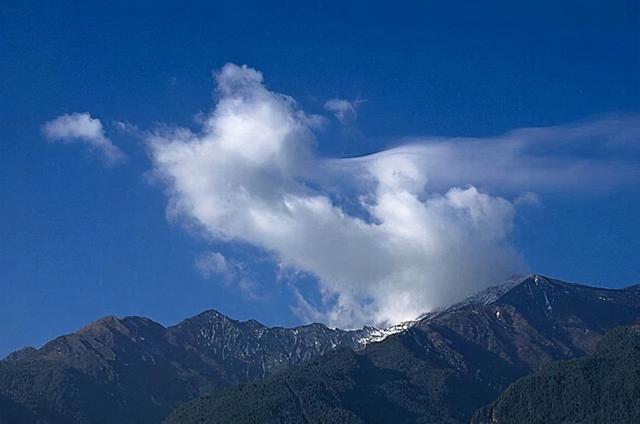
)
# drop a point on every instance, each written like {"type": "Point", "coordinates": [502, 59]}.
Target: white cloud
{"type": "Point", "coordinates": [212, 263]}
{"type": "Point", "coordinates": [82, 128]}
{"type": "Point", "coordinates": [215, 264]}
{"type": "Point", "coordinates": [343, 110]}
{"type": "Point", "coordinates": [419, 228]}
{"type": "Point", "coordinates": [592, 155]}
{"type": "Point", "coordinates": [527, 198]}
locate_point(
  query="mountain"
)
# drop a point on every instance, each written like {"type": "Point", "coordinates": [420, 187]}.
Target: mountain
{"type": "Point", "coordinates": [603, 387]}
{"type": "Point", "coordinates": [134, 370]}
{"type": "Point", "coordinates": [441, 369]}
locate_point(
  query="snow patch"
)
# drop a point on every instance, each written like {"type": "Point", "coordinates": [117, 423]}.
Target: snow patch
{"type": "Point", "coordinates": [376, 335]}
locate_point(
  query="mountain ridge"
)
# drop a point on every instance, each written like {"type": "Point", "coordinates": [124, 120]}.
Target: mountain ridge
{"type": "Point", "coordinates": [374, 334]}
{"type": "Point", "coordinates": [442, 368]}
{"type": "Point", "coordinates": [111, 361]}
{"type": "Point", "coordinates": [133, 369]}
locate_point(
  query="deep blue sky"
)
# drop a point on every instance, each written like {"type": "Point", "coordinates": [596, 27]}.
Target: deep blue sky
{"type": "Point", "coordinates": [79, 241]}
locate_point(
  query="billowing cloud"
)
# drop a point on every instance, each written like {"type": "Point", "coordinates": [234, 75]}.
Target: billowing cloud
{"type": "Point", "coordinates": [82, 128]}
{"type": "Point", "coordinates": [387, 236]}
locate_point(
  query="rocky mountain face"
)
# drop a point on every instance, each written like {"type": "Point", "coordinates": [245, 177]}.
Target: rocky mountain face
{"type": "Point", "coordinates": [134, 370]}
{"type": "Point", "coordinates": [440, 369]}
{"type": "Point", "coordinates": [603, 387]}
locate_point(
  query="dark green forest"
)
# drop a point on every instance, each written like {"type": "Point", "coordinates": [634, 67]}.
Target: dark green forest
{"type": "Point", "coordinates": [600, 388]}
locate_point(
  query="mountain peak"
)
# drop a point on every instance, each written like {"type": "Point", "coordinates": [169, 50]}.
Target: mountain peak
{"type": "Point", "coordinates": [209, 316]}
{"type": "Point", "coordinates": [124, 325]}
{"type": "Point", "coordinates": [252, 323]}
{"type": "Point", "coordinates": [212, 313]}
{"type": "Point", "coordinates": [108, 322]}
{"type": "Point", "coordinates": [534, 293]}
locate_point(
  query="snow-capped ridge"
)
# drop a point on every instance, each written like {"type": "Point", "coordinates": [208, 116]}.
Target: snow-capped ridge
{"type": "Point", "coordinates": [482, 298]}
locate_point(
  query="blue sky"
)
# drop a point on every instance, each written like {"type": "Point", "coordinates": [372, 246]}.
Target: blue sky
{"type": "Point", "coordinates": [81, 238]}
